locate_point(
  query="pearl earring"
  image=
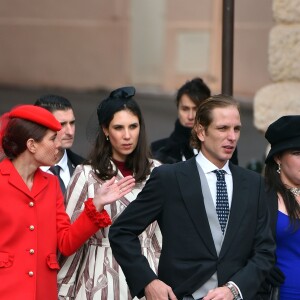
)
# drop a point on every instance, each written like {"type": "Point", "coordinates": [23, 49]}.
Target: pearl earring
{"type": "Point", "coordinates": [279, 169]}
{"type": "Point", "coordinates": [107, 138]}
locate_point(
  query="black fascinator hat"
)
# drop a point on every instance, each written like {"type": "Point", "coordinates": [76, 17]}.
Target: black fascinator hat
{"type": "Point", "coordinates": [117, 100]}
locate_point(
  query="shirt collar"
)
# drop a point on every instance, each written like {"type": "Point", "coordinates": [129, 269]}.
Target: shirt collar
{"type": "Point", "coordinates": [207, 166]}
{"type": "Point", "coordinates": [63, 163]}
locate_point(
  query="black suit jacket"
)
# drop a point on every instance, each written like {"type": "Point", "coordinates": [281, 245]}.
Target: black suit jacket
{"type": "Point", "coordinates": [272, 201]}
{"type": "Point", "coordinates": [275, 277]}
{"type": "Point", "coordinates": [173, 197]}
{"type": "Point", "coordinates": [73, 160]}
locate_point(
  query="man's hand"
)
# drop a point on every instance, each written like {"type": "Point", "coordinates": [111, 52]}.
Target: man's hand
{"type": "Point", "coordinates": [220, 293]}
{"type": "Point", "coordinates": [158, 290]}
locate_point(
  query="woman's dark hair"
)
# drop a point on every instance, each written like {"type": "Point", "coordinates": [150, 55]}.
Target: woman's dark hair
{"type": "Point", "coordinates": [273, 182]}
{"type": "Point", "coordinates": [101, 154]}
{"type": "Point", "coordinates": [195, 89]}
{"type": "Point", "coordinates": [17, 133]}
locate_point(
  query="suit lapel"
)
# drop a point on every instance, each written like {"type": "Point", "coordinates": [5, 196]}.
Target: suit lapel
{"type": "Point", "coordinates": [71, 167]}
{"type": "Point", "coordinates": [190, 186]}
{"type": "Point", "coordinates": [238, 207]}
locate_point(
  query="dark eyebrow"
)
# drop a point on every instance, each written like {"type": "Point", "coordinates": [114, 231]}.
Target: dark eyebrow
{"type": "Point", "coordinates": [66, 122]}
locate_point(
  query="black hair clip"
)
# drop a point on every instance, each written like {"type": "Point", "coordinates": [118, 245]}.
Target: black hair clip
{"type": "Point", "coordinates": [123, 92]}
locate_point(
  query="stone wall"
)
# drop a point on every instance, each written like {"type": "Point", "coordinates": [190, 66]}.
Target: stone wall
{"type": "Point", "coordinates": [282, 97]}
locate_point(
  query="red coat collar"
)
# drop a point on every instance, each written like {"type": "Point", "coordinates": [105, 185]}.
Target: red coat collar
{"type": "Point", "coordinates": [40, 181]}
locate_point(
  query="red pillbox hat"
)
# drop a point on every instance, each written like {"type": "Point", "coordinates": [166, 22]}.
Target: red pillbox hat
{"type": "Point", "coordinates": [37, 115]}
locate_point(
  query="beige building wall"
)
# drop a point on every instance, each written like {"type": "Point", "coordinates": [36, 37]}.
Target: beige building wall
{"type": "Point", "coordinates": [70, 43]}
{"type": "Point", "coordinates": [147, 42]}
{"type": "Point", "coordinates": [253, 21]}
{"type": "Point", "coordinates": [155, 45]}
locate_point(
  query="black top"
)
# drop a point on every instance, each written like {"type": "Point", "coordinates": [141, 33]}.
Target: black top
{"type": "Point", "coordinates": [171, 150]}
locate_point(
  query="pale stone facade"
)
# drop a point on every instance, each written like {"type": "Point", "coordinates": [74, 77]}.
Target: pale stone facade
{"type": "Point", "coordinates": [282, 97]}
{"type": "Point", "coordinates": [276, 100]}
{"type": "Point", "coordinates": [286, 11]}
{"type": "Point", "coordinates": [284, 52]}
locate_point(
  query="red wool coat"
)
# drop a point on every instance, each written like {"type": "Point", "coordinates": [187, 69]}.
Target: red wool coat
{"type": "Point", "coordinates": [33, 224]}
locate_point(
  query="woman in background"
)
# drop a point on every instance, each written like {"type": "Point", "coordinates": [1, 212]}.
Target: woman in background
{"type": "Point", "coordinates": [33, 222]}
{"type": "Point", "coordinates": [120, 149]}
{"type": "Point", "coordinates": [282, 175]}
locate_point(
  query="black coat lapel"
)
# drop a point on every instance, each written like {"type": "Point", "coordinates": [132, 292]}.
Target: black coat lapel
{"type": "Point", "coordinates": [71, 167]}
{"type": "Point", "coordinates": [238, 209]}
{"type": "Point", "coordinates": [190, 186]}
{"type": "Point", "coordinates": [74, 158]}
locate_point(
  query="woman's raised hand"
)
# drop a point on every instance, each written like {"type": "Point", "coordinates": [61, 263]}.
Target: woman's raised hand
{"type": "Point", "coordinates": [111, 191]}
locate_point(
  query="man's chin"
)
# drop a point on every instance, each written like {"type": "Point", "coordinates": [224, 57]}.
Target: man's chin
{"type": "Point", "coordinates": [67, 146]}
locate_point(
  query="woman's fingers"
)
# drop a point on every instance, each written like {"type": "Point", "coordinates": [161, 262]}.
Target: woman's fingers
{"type": "Point", "coordinates": [126, 184]}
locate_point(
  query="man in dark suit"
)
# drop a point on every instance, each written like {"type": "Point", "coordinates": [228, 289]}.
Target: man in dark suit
{"type": "Point", "coordinates": [67, 160]}
{"type": "Point", "coordinates": [212, 214]}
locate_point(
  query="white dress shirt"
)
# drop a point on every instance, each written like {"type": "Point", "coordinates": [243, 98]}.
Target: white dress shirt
{"type": "Point", "coordinates": [208, 168]}
{"type": "Point", "coordinates": [64, 171]}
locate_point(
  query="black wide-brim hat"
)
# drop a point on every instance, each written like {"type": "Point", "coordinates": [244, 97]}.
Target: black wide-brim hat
{"type": "Point", "coordinates": [283, 134]}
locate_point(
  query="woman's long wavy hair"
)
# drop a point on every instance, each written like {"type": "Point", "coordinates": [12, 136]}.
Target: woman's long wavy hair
{"type": "Point", "coordinates": [273, 181]}
{"type": "Point", "coordinates": [101, 153]}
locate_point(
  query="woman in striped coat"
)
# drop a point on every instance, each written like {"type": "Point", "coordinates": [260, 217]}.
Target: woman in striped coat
{"type": "Point", "coordinates": [120, 150]}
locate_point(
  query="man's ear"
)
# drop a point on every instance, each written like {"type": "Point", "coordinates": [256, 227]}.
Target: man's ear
{"type": "Point", "coordinates": [199, 129]}
{"type": "Point", "coordinates": [31, 145]}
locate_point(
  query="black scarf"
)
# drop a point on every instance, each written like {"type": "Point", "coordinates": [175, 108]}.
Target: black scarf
{"type": "Point", "coordinates": [176, 146]}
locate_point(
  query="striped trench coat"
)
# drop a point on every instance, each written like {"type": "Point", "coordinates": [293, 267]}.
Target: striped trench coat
{"type": "Point", "coordinates": [92, 272]}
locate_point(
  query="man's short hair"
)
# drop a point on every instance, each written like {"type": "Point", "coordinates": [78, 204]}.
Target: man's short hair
{"type": "Point", "coordinates": [204, 114]}
{"type": "Point", "coordinates": [53, 103]}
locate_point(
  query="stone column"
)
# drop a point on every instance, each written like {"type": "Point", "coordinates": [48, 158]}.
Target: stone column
{"type": "Point", "coordinates": [282, 97]}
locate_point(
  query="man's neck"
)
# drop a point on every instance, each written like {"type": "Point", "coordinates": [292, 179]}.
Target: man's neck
{"type": "Point", "coordinates": [60, 154]}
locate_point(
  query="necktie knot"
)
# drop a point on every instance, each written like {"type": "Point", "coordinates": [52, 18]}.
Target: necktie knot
{"type": "Point", "coordinates": [220, 174]}
{"type": "Point", "coordinates": [55, 170]}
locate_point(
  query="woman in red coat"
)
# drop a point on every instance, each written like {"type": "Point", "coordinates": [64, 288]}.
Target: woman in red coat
{"type": "Point", "coordinates": [33, 222]}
